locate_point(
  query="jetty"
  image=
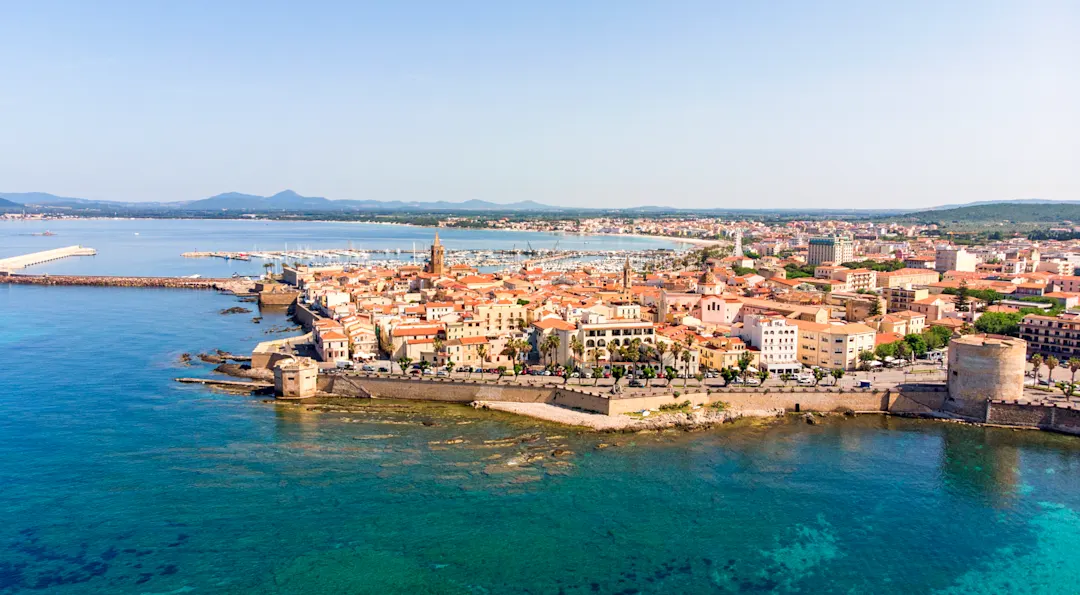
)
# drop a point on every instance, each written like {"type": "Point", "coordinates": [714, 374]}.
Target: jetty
{"type": "Point", "coordinates": [15, 263]}
{"type": "Point", "coordinates": [253, 385]}
{"type": "Point", "coordinates": [226, 255]}
{"type": "Point", "coordinates": [237, 286]}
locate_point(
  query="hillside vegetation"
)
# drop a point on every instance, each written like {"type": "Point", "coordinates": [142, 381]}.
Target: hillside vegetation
{"type": "Point", "coordinates": [1002, 212]}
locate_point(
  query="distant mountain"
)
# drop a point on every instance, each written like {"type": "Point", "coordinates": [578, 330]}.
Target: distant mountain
{"type": "Point", "coordinates": [7, 204]}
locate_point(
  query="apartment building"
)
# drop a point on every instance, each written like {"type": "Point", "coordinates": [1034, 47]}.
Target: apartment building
{"type": "Point", "coordinates": [500, 317]}
{"type": "Point", "coordinates": [596, 331]}
{"type": "Point", "coordinates": [1049, 335]}
{"type": "Point", "coordinates": [833, 346]}
{"type": "Point", "coordinates": [949, 258]}
{"type": "Point", "coordinates": [898, 299]}
{"type": "Point", "coordinates": [775, 338]}
{"type": "Point", "coordinates": [725, 352]}
{"type": "Point", "coordinates": [834, 249]}
{"type": "Point", "coordinates": [907, 276]}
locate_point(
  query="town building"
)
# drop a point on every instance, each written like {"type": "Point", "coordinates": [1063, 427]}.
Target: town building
{"type": "Point", "coordinates": [834, 249]}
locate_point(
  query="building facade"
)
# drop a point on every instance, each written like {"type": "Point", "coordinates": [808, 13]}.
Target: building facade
{"type": "Point", "coordinates": [836, 249]}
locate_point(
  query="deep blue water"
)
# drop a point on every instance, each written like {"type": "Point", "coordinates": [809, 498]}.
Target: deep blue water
{"type": "Point", "coordinates": [115, 479]}
{"type": "Point", "coordinates": [156, 249]}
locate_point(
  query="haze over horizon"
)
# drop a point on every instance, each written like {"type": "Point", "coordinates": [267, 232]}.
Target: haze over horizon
{"type": "Point", "coordinates": [690, 104]}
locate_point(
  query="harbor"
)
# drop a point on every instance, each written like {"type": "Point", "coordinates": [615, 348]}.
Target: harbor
{"type": "Point", "coordinates": [497, 260]}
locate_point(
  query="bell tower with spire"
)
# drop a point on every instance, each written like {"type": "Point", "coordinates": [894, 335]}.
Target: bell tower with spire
{"type": "Point", "coordinates": [436, 264]}
{"type": "Point", "coordinates": [626, 275]}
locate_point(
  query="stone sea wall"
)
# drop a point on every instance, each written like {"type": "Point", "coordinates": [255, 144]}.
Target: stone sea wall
{"type": "Point", "coordinates": [916, 399]}
{"type": "Point", "coordinates": [1059, 418]}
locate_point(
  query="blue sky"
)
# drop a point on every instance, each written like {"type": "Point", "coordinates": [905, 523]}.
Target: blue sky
{"type": "Point", "coordinates": [692, 104]}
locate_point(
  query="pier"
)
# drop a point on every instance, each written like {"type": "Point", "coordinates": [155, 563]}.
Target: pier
{"type": "Point", "coordinates": [237, 286]}
{"type": "Point", "coordinates": [27, 260]}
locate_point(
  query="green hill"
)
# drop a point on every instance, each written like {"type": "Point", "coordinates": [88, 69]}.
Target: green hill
{"type": "Point", "coordinates": [1040, 212]}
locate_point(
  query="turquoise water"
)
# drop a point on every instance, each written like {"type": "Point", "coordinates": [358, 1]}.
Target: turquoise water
{"type": "Point", "coordinates": [115, 479]}
{"type": "Point", "coordinates": [149, 247]}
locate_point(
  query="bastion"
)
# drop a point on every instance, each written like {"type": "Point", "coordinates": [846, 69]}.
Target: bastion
{"type": "Point", "coordinates": [296, 378]}
{"type": "Point", "coordinates": [983, 368]}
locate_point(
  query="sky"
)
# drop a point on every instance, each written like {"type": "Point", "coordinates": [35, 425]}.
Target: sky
{"type": "Point", "coordinates": [711, 104]}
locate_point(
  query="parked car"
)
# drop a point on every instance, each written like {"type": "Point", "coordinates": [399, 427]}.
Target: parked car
{"type": "Point", "coordinates": [429, 372]}
{"type": "Point", "coordinates": [367, 368]}
{"type": "Point", "coordinates": [442, 373]}
{"type": "Point", "coordinates": [637, 383]}
{"type": "Point", "coordinates": [383, 370]}
{"type": "Point", "coordinates": [415, 371]}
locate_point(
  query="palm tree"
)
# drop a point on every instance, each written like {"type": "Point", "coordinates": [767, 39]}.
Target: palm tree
{"type": "Point", "coordinates": [577, 348]}
{"type": "Point", "coordinates": [661, 349]}
{"type": "Point", "coordinates": [1036, 364]}
{"type": "Point", "coordinates": [1051, 363]}
{"type": "Point", "coordinates": [524, 348]}
{"type": "Point", "coordinates": [686, 357]}
{"type": "Point", "coordinates": [598, 354]}
{"type": "Point", "coordinates": [511, 351]}
{"type": "Point", "coordinates": [482, 353]}
{"type": "Point", "coordinates": [553, 342]}
{"type": "Point", "coordinates": [1074, 366]}
{"type": "Point", "coordinates": [676, 352]}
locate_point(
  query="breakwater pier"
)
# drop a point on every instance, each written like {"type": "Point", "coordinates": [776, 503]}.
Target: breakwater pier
{"type": "Point", "coordinates": [15, 263]}
{"type": "Point", "coordinates": [238, 286]}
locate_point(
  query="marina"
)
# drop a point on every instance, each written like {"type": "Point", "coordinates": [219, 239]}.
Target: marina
{"type": "Point", "coordinates": [497, 260]}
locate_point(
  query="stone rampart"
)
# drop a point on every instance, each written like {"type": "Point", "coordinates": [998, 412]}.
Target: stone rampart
{"type": "Point", "coordinates": [1059, 417]}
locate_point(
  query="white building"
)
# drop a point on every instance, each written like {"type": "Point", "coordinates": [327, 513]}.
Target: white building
{"type": "Point", "coordinates": [776, 341]}
{"type": "Point", "coordinates": [954, 259]}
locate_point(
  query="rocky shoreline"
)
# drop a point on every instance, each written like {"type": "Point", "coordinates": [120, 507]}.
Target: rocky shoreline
{"type": "Point", "coordinates": [701, 418]}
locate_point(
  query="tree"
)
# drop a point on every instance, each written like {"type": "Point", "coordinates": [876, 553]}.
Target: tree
{"type": "Point", "coordinates": [786, 377]}
{"type": "Point", "coordinates": [661, 349]}
{"type": "Point", "coordinates": [999, 323]}
{"type": "Point", "coordinates": [649, 372]}
{"type": "Point", "coordinates": [577, 348]}
{"type": "Point", "coordinates": [687, 356]}
{"type": "Point", "coordinates": [916, 343]}
{"type": "Point", "coordinates": [728, 375]}
{"type": "Point", "coordinates": [597, 374]}
{"type": "Point", "coordinates": [1074, 366]}
{"type": "Point", "coordinates": [511, 351]}
{"type": "Point", "coordinates": [744, 365]}
{"type": "Point", "coordinates": [404, 362]}
{"type": "Point", "coordinates": [1051, 363]}
{"type": "Point", "coordinates": [818, 375]}
{"type": "Point", "coordinates": [482, 353]}
{"type": "Point", "coordinates": [837, 374]}
{"type": "Point", "coordinates": [886, 350]}
{"type": "Point", "coordinates": [423, 365]}
{"type": "Point", "coordinates": [1036, 364]}
{"type": "Point", "coordinates": [903, 350]}
{"type": "Point", "coordinates": [962, 296]}
{"type": "Point", "coordinates": [617, 372]}
{"type": "Point", "coordinates": [875, 306]}
{"type": "Point", "coordinates": [449, 365]}
{"type": "Point", "coordinates": [438, 345]}
{"type": "Point", "coordinates": [676, 353]}
{"type": "Point", "coordinates": [763, 375]}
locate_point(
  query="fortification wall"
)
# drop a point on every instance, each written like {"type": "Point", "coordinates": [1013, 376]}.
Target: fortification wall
{"type": "Point", "coordinates": [1047, 416]}
{"type": "Point", "coordinates": [439, 389]}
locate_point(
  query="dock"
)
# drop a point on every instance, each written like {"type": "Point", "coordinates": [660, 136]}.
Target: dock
{"type": "Point", "coordinates": [236, 286]}
{"type": "Point", "coordinates": [254, 385]}
{"type": "Point", "coordinates": [226, 255]}
{"type": "Point", "coordinates": [15, 263]}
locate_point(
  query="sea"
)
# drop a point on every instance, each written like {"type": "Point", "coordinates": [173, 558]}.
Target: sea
{"type": "Point", "coordinates": [114, 478]}
{"type": "Point", "coordinates": [152, 247]}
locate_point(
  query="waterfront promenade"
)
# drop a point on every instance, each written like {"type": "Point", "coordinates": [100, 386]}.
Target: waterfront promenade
{"type": "Point", "coordinates": [15, 263]}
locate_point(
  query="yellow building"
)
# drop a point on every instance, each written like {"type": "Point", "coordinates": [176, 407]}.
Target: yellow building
{"type": "Point", "coordinates": [833, 346]}
{"type": "Point", "coordinates": [499, 318]}
{"type": "Point", "coordinates": [725, 352]}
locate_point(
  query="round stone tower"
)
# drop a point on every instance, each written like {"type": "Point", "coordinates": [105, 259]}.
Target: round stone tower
{"type": "Point", "coordinates": [983, 368]}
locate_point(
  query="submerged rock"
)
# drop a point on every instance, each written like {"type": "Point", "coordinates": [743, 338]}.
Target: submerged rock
{"type": "Point", "coordinates": [235, 310]}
